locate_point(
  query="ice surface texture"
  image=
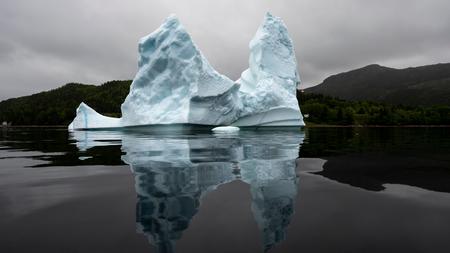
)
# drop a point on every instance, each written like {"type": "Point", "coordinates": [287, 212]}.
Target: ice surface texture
{"type": "Point", "coordinates": [175, 84]}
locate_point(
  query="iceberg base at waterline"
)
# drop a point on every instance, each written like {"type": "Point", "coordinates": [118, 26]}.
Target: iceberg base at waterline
{"type": "Point", "coordinates": [175, 84]}
{"type": "Point", "coordinates": [88, 118]}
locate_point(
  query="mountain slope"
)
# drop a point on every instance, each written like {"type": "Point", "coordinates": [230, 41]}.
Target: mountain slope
{"type": "Point", "coordinates": [426, 85]}
{"type": "Point", "coordinates": [56, 107]}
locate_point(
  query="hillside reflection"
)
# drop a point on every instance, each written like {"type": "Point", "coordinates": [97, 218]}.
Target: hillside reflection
{"type": "Point", "coordinates": [174, 171]}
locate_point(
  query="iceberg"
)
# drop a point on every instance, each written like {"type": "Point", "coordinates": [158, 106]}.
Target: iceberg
{"type": "Point", "coordinates": [175, 84]}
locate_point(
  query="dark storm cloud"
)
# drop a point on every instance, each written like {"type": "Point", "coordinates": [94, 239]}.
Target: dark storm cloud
{"type": "Point", "coordinates": [47, 43]}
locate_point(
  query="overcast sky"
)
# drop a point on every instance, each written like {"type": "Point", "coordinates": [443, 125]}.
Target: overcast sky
{"type": "Point", "coordinates": [47, 43]}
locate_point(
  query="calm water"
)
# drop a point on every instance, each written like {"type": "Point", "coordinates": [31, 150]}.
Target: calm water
{"type": "Point", "coordinates": [278, 190]}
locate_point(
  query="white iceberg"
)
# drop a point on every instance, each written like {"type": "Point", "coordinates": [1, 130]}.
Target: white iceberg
{"type": "Point", "coordinates": [175, 84]}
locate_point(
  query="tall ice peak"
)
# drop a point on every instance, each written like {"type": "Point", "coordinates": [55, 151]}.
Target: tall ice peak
{"type": "Point", "coordinates": [274, 49]}
{"type": "Point", "coordinates": [174, 83]}
{"type": "Point", "coordinates": [268, 86]}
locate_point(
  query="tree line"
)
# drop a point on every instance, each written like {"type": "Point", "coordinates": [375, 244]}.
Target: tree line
{"type": "Point", "coordinates": [321, 109]}
{"type": "Point", "coordinates": [57, 107]}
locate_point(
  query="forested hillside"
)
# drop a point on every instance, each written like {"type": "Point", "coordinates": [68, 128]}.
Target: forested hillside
{"type": "Point", "coordinates": [57, 107]}
{"type": "Point", "coordinates": [320, 109]}
{"type": "Point", "coordinates": [426, 85]}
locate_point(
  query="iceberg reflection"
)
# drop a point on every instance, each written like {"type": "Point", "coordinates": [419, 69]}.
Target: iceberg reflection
{"type": "Point", "coordinates": [174, 171]}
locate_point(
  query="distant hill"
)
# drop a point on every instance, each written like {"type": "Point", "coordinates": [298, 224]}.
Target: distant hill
{"type": "Point", "coordinates": [426, 85]}
{"type": "Point", "coordinates": [57, 107]}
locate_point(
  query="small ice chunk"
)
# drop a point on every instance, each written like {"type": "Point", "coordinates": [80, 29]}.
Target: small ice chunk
{"type": "Point", "coordinates": [225, 129]}
{"type": "Point", "coordinates": [82, 158]}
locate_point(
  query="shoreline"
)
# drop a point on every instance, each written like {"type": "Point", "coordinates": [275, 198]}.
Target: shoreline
{"type": "Point", "coordinates": [373, 126]}
{"type": "Point", "coordinates": [306, 126]}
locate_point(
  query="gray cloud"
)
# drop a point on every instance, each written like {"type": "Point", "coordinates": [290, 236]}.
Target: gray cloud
{"type": "Point", "coordinates": [47, 43]}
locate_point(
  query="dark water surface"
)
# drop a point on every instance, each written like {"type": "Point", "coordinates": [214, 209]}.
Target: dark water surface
{"type": "Point", "coordinates": [278, 190]}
